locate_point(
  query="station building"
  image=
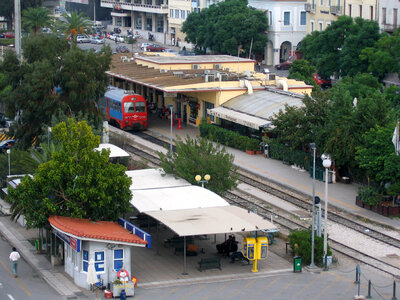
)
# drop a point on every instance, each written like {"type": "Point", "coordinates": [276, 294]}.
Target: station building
{"type": "Point", "coordinates": [195, 85]}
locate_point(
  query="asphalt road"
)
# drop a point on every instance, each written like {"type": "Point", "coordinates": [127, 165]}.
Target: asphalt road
{"type": "Point", "coordinates": [28, 285]}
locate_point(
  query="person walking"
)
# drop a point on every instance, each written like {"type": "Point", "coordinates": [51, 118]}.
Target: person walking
{"type": "Point", "coordinates": [14, 257]}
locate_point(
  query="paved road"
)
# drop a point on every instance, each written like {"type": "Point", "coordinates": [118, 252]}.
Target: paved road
{"type": "Point", "coordinates": [27, 286]}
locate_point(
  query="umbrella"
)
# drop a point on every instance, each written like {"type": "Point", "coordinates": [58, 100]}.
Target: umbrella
{"type": "Point", "coordinates": [91, 275]}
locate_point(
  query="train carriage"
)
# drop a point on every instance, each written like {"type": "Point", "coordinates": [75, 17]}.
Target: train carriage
{"type": "Point", "coordinates": [125, 109]}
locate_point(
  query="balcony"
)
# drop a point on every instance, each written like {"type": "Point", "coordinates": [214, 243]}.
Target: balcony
{"type": "Point", "coordinates": [309, 7]}
{"type": "Point", "coordinates": [336, 10]}
{"type": "Point", "coordinates": [390, 27]}
{"type": "Point", "coordinates": [119, 5]}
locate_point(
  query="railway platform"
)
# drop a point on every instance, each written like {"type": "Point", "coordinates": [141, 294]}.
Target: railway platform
{"type": "Point", "coordinates": [341, 196]}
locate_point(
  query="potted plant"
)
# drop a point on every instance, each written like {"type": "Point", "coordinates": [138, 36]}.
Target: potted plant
{"type": "Point", "coordinates": [251, 146]}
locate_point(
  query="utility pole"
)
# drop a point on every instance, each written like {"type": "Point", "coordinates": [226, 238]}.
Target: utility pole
{"type": "Point", "coordinates": [17, 28]}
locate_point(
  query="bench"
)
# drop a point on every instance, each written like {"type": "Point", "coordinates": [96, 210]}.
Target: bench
{"type": "Point", "coordinates": [209, 263]}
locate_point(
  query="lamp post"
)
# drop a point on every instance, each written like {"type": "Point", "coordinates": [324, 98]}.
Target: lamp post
{"type": "Point", "coordinates": [313, 147]}
{"type": "Point", "coordinates": [326, 162]}
{"type": "Point", "coordinates": [48, 136]}
{"type": "Point", "coordinates": [9, 161]}
{"type": "Point", "coordinates": [206, 179]}
{"type": "Point", "coordinates": [171, 107]}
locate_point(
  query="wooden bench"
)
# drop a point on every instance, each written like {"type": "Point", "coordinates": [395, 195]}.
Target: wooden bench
{"type": "Point", "coordinates": [209, 263]}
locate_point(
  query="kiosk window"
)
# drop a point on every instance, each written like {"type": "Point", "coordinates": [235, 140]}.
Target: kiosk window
{"type": "Point", "coordinates": [85, 260]}
{"type": "Point", "coordinates": [99, 261]}
{"type": "Point", "coordinates": [118, 259]}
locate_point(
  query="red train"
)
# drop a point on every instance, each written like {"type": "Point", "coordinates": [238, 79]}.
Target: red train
{"type": "Point", "coordinates": [125, 109]}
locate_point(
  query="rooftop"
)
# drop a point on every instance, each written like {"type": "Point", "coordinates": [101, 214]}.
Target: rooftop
{"type": "Point", "coordinates": [99, 230]}
{"type": "Point", "coordinates": [195, 59]}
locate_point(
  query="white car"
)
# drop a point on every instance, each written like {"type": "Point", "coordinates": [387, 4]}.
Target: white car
{"type": "Point", "coordinates": [144, 45]}
{"type": "Point", "coordinates": [119, 38]}
{"type": "Point", "coordinates": [96, 40]}
{"type": "Point", "coordinates": [82, 39]}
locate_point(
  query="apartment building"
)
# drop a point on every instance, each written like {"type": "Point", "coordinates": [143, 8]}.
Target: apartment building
{"type": "Point", "coordinates": [287, 22]}
{"type": "Point", "coordinates": [388, 15]}
{"type": "Point", "coordinates": [321, 13]}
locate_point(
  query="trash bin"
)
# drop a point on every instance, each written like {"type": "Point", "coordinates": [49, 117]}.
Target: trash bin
{"type": "Point", "coordinates": [297, 265]}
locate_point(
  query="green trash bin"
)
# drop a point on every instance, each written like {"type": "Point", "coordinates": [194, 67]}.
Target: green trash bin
{"type": "Point", "coordinates": [297, 265]}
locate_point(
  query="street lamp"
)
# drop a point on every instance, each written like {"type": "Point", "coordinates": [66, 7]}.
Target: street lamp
{"type": "Point", "coordinates": [326, 162]}
{"type": "Point", "coordinates": [314, 148]}
{"type": "Point", "coordinates": [9, 162]}
{"type": "Point", "coordinates": [48, 136]}
{"type": "Point", "coordinates": [206, 179]}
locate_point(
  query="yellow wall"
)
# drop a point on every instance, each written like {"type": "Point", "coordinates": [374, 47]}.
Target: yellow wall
{"type": "Point", "coordinates": [234, 66]}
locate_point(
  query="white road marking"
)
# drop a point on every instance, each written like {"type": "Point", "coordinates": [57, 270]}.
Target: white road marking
{"type": "Point", "coordinates": [10, 297]}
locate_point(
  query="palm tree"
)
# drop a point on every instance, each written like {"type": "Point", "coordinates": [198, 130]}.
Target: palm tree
{"type": "Point", "coordinates": [75, 23]}
{"type": "Point", "coordinates": [34, 18]}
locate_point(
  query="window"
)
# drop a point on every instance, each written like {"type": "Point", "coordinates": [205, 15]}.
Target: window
{"type": "Point", "coordinates": [99, 261]}
{"type": "Point", "coordinates": [320, 26]}
{"type": "Point", "coordinates": [140, 106]}
{"type": "Point", "coordinates": [129, 107]}
{"type": "Point", "coordinates": [303, 18]}
{"type": "Point", "coordinates": [350, 10]}
{"type": "Point", "coordinates": [270, 17]}
{"type": "Point", "coordinates": [384, 15]}
{"type": "Point", "coordinates": [360, 11]}
{"type": "Point", "coordinates": [322, 3]}
{"type": "Point", "coordinates": [312, 26]}
{"type": "Point", "coordinates": [286, 18]}
{"type": "Point", "coordinates": [372, 12]}
{"type": "Point", "coordinates": [118, 259]}
{"type": "Point", "coordinates": [85, 260]}
{"type": "Point", "coordinates": [395, 17]}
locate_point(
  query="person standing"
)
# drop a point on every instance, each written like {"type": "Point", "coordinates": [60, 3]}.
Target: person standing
{"type": "Point", "coordinates": [14, 257]}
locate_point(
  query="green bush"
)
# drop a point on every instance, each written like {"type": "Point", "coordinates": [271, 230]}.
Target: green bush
{"type": "Point", "coordinates": [6, 42]}
{"type": "Point", "coordinates": [369, 195]}
{"type": "Point", "coordinates": [303, 240]}
{"type": "Point", "coordinates": [252, 144]}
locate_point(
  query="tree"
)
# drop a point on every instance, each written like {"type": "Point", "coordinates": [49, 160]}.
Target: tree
{"type": "Point", "coordinates": [74, 24]}
{"type": "Point", "coordinates": [200, 157]}
{"type": "Point", "coordinates": [337, 49]}
{"type": "Point", "coordinates": [383, 57]}
{"type": "Point", "coordinates": [7, 9]}
{"type": "Point", "coordinates": [302, 69]}
{"type": "Point", "coordinates": [34, 18]}
{"type": "Point", "coordinates": [227, 26]}
{"type": "Point", "coordinates": [50, 63]}
{"type": "Point", "coordinates": [77, 182]}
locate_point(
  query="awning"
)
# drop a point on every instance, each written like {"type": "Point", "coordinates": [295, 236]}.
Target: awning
{"type": "Point", "coordinates": [115, 151]}
{"type": "Point", "coordinates": [211, 220]}
{"type": "Point", "coordinates": [175, 198]}
{"type": "Point", "coordinates": [238, 117]}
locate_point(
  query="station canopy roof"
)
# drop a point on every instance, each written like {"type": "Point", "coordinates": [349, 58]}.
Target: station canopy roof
{"type": "Point", "coordinates": [257, 109]}
{"type": "Point", "coordinates": [115, 151]}
{"type": "Point", "coordinates": [211, 220]}
{"type": "Point", "coordinates": [187, 209]}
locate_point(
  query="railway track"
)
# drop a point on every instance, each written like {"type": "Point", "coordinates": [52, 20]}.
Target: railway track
{"type": "Point", "coordinates": [288, 222]}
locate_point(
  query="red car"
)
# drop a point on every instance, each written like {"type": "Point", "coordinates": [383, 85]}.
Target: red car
{"type": "Point", "coordinates": [9, 35]}
{"type": "Point", "coordinates": [286, 64]}
{"type": "Point", "coordinates": [324, 83]}
{"type": "Point", "coordinates": [155, 48]}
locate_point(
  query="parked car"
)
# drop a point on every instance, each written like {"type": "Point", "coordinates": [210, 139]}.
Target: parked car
{"type": "Point", "coordinates": [286, 64]}
{"type": "Point", "coordinates": [324, 83]}
{"type": "Point", "coordinates": [96, 40]}
{"type": "Point", "coordinates": [186, 53]}
{"type": "Point", "coordinates": [2, 36]}
{"type": "Point", "coordinates": [6, 144]}
{"type": "Point", "coordinates": [155, 48]}
{"type": "Point", "coordinates": [82, 39]}
{"type": "Point", "coordinates": [120, 38]}
{"type": "Point", "coordinates": [172, 51]}
{"type": "Point", "coordinates": [9, 35]}
{"type": "Point", "coordinates": [145, 45]}
{"type": "Point", "coordinates": [122, 49]}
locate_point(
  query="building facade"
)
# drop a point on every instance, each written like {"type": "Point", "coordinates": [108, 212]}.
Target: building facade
{"type": "Point", "coordinates": [388, 15]}
{"type": "Point", "coordinates": [287, 21]}
{"type": "Point", "coordinates": [321, 13]}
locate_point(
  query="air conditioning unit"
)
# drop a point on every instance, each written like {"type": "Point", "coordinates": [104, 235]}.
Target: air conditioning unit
{"type": "Point", "coordinates": [271, 76]}
{"type": "Point", "coordinates": [209, 78]}
{"type": "Point", "coordinates": [163, 71]}
{"type": "Point", "coordinates": [217, 66]}
{"type": "Point", "coordinates": [223, 77]}
{"type": "Point", "coordinates": [196, 67]}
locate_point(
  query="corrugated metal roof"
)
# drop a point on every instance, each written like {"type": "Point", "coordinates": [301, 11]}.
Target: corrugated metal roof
{"type": "Point", "coordinates": [196, 59]}
{"type": "Point", "coordinates": [264, 104]}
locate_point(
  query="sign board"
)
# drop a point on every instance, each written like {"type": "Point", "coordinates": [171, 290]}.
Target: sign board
{"type": "Point", "coordinates": [73, 242]}
{"type": "Point", "coordinates": [174, 95]}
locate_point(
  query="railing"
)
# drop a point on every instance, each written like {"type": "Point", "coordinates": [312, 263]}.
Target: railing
{"type": "Point", "coordinates": [138, 5]}
{"type": "Point", "coordinates": [390, 27]}
{"type": "Point", "coordinates": [336, 10]}
{"type": "Point", "coordinates": [309, 7]}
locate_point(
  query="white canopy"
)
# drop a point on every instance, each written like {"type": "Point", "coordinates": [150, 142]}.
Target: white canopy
{"type": "Point", "coordinates": [115, 151]}
{"type": "Point", "coordinates": [153, 179]}
{"type": "Point", "coordinates": [211, 220]}
{"type": "Point", "coordinates": [175, 198]}
{"type": "Point", "coordinates": [238, 117]}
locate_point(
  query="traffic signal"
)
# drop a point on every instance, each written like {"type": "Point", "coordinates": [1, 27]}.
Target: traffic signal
{"type": "Point", "coordinates": [317, 200]}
